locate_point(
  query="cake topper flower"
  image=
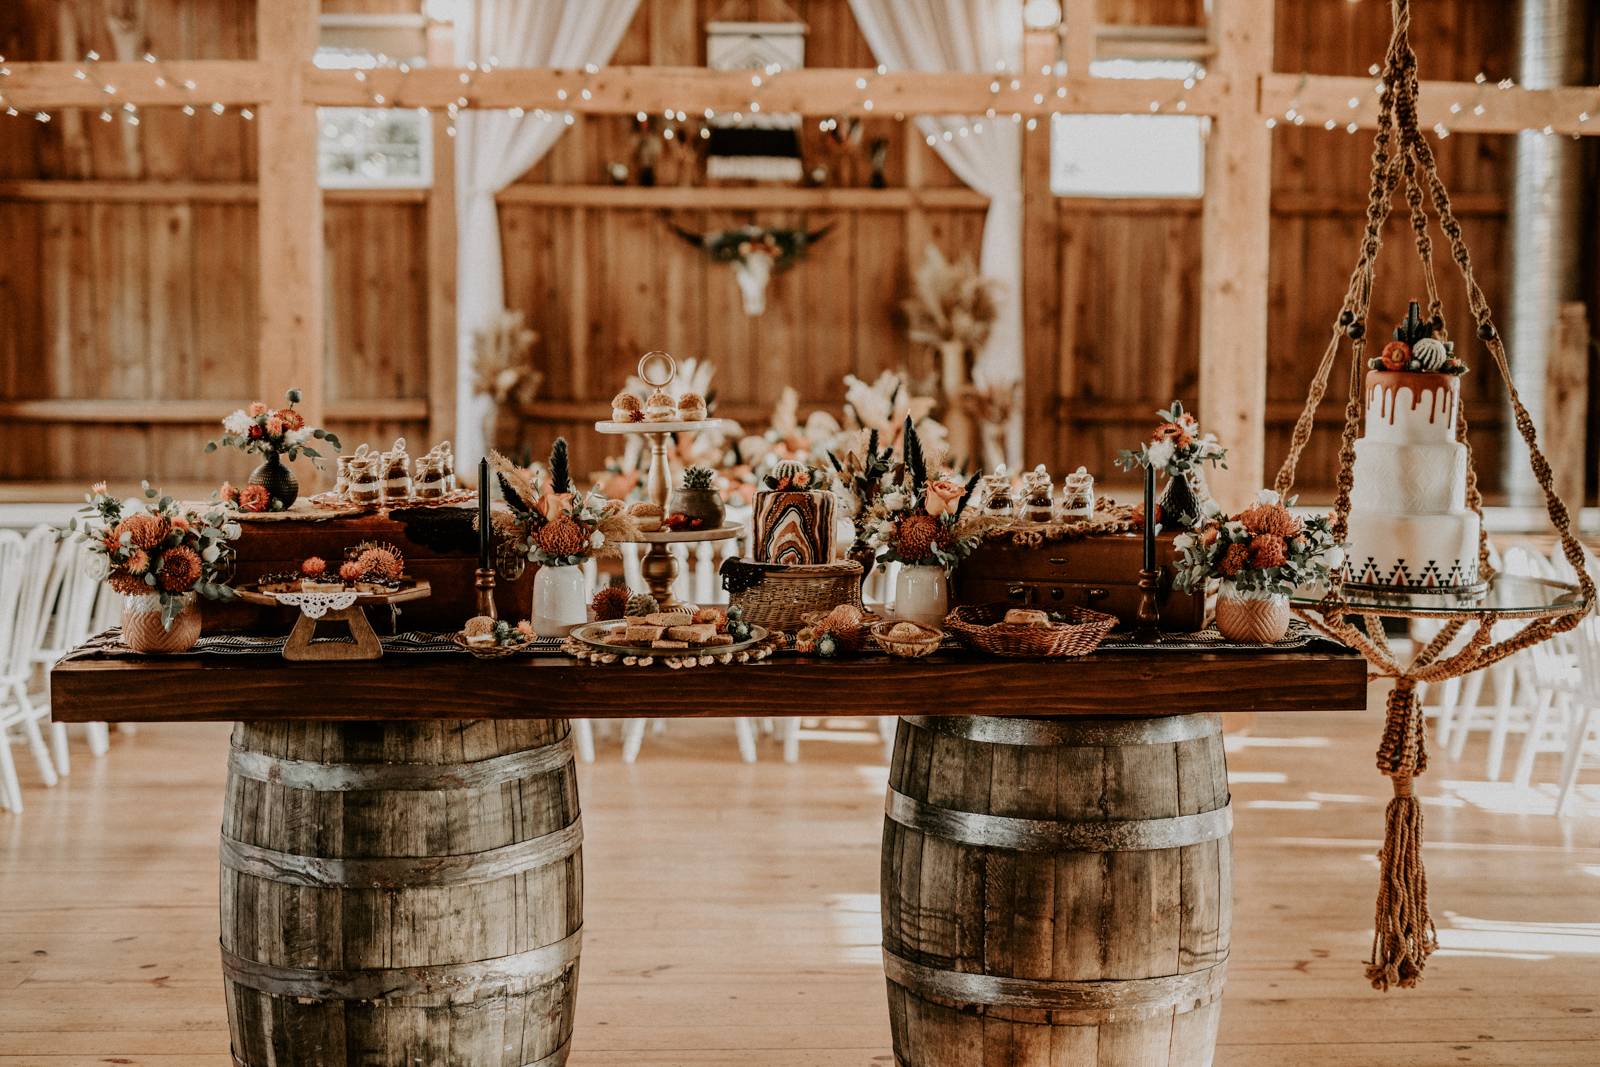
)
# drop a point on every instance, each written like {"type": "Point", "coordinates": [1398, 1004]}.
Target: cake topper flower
{"type": "Point", "coordinates": [1419, 347]}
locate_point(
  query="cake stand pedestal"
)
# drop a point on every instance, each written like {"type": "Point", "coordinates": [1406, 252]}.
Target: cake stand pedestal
{"type": "Point", "coordinates": [658, 565]}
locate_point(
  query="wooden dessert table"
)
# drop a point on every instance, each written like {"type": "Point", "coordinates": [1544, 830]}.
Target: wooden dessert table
{"type": "Point", "coordinates": [401, 842]}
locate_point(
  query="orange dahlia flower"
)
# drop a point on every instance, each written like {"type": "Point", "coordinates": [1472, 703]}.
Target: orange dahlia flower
{"type": "Point", "coordinates": [1234, 560]}
{"type": "Point", "coordinates": [180, 569]}
{"type": "Point", "coordinates": [1267, 551]}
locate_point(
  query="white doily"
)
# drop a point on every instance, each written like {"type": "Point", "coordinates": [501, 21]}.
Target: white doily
{"type": "Point", "coordinates": [316, 605]}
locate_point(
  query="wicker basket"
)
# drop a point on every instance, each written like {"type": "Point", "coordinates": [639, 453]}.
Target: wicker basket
{"type": "Point", "coordinates": [910, 649]}
{"type": "Point", "coordinates": [1078, 633]}
{"type": "Point", "coordinates": [786, 594]}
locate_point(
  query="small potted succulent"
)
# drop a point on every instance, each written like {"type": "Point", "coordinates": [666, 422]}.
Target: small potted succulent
{"type": "Point", "coordinates": [695, 504]}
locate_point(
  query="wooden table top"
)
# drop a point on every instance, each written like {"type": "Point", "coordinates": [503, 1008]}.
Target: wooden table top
{"type": "Point", "coordinates": [100, 688]}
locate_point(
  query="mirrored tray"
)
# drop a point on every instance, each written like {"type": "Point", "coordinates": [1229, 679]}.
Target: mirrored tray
{"type": "Point", "coordinates": [589, 631]}
{"type": "Point", "coordinates": [1508, 596]}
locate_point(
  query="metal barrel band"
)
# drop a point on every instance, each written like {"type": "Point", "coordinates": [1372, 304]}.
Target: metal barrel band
{"type": "Point", "coordinates": [399, 872]}
{"type": "Point", "coordinates": [558, 1058]}
{"type": "Point", "coordinates": [350, 777]}
{"type": "Point", "coordinates": [1126, 997]}
{"type": "Point", "coordinates": [1045, 835]}
{"type": "Point", "coordinates": [1005, 730]}
{"type": "Point", "coordinates": [467, 980]}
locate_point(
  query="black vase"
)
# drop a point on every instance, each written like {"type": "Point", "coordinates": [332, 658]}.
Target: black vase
{"type": "Point", "coordinates": [279, 480]}
{"type": "Point", "coordinates": [1180, 504]}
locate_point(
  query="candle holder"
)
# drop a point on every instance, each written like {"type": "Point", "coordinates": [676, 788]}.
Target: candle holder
{"type": "Point", "coordinates": [1147, 626]}
{"type": "Point", "coordinates": [483, 582]}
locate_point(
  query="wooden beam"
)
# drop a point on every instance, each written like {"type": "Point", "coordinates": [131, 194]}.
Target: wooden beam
{"type": "Point", "coordinates": [813, 91]}
{"type": "Point", "coordinates": [50, 86]}
{"type": "Point", "coordinates": [1081, 25]}
{"type": "Point", "coordinates": [1234, 227]}
{"type": "Point", "coordinates": [292, 343]}
{"type": "Point", "coordinates": [196, 412]}
{"type": "Point", "coordinates": [1566, 403]}
{"type": "Point", "coordinates": [440, 276]}
{"type": "Point", "coordinates": [714, 198]}
{"type": "Point", "coordinates": [165, 192]}
{"type": "Point", "coordinates": [1320, 98]}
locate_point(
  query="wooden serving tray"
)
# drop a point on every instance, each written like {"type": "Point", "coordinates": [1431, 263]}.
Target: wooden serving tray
{"type": "Point", "coordinates": [586, 634]}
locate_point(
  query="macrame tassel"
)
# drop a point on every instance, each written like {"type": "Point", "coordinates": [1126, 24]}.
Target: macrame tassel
{"type": "Point", "coordinates": [1403, 933]}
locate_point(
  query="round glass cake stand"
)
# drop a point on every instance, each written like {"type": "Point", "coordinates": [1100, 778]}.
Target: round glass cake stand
{"type": "Point", "coordinates": [658, 565]}
{"type": "Point", "coordinates": [1508, 596]}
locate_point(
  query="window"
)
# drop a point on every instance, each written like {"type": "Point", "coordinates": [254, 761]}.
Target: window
{"type": "Point", "coordinates": [371, 147]}
{"type": "Point", "coordinates": [1130, 155]}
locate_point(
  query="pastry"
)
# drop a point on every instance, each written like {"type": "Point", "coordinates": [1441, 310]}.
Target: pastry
{"type": "Point", "coordinates": [647, 515]}
{"type": "Point", "coordinates": [691, 407]}
{"type": "Point", "coordinates": [480, 640]}
{"type": "Point", "coordinates": [660, 408]}
{"type": "Point", "coordinates": [625, 407]}
{"type": "Point", "coordinates": [318, 585]}
{"type": "Point", "coordinates": [669, 618]}
{"type": "Point", "coordinates": [1026, 617]}
{"type": "Point", "coordinates": [909, 631]}
{"type": "Point", "coordinates": [278, 583]}
{"type": "Point", "coordinates": [695, 633]}
{"type": "Point", "coordinates": [717, 640]}
{"type": "Point", "coordinates": [669, 644]}
{"type": "Point", "coordinates": [640, 634]}
{"type": "Point", "coordinates": [478, 626]}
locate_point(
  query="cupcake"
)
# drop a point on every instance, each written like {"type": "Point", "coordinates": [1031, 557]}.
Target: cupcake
{"type": "Point", "coordinates": [625, 407]}
{"type": "Point", "coordinates": [691, 407]}
{"type": "Point", "coordinates": [647, 515]}
{"type": "Point", "coordinates": [660, 408]}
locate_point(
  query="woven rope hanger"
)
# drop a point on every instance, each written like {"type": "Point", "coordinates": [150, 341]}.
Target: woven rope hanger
{"type": "Point", "coordinates": [1404, 934]}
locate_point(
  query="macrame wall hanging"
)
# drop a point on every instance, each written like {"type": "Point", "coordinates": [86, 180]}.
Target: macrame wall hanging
{"type": "Point", "coordinates": [1404, 933]}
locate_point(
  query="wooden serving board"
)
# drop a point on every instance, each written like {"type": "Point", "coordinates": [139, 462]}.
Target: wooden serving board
{"type": "Point", "coordinates": [587, 634]}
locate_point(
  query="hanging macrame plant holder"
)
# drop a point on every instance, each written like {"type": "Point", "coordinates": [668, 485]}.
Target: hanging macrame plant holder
{"type": "Point", "coordinates": [1404, 933]}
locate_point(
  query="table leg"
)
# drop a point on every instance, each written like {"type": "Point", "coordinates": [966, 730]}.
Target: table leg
{"type": "Point", "coordinates": [1056, 891]}
{"type": "Point", "coordinates": [401, 893]}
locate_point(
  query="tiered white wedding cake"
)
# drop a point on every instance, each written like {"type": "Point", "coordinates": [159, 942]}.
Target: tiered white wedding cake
{"type": "Point", "coordinates": [1410, 527]}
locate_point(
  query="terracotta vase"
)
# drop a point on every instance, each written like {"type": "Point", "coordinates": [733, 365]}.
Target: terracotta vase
{"type": "Point", "coordinates": [280, 481]}
{"type": "Point", "coordinates": [701, 508]}
{"type": "Point", "coordinates": [142, 629]}
{"type": "Point", "coordinates": [1252, 620]}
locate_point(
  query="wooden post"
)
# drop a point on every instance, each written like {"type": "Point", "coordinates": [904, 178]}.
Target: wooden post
{"type": "Point", "coordinates": [1041, 400]}
{"type": "Point", "coordinates": [1078, 17]}
{"type": "Point", "coordinates": [441, 262]}
{"type": "Point", "coordinates": [291, 351]}
{"type": "Point", "coordinates": [1566, 402]}
{"type": "Point", "coordinates": [1235, 222]}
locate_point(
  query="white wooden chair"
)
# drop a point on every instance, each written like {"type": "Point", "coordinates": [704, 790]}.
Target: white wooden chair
{"type": "Point", "coordinates": [26, 564]}
{"type": "Point", "coordinates": [72, 590]}
{"type": "Point", "coordinates": [1550, 673]}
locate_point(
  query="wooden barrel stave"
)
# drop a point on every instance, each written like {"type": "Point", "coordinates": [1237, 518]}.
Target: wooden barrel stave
{"type": "Point", "coordinates": [444, 945]}
{"type": "Point", "coordinates": [1056, 915]}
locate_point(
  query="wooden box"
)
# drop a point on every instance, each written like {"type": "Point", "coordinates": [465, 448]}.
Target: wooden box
{"type": "Point", "coordinates": [439, 544]}
{"type": "Point", "coordinates": [1101, 573]}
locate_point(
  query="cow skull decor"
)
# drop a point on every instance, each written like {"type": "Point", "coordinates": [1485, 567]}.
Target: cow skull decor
{"type": "Point", "coordinates": [755, 253]}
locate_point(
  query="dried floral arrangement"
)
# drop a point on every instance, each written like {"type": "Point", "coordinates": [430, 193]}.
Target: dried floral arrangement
{"type": "Point", "coordinates": [282, 431]}
{"type": "Point", "coordinates": [502, 360]}
{"type": "Point", "coordinates": [917, 519]}
{"type": "Point", "coordinates": [158, 549]}
{"type": "Point", "coordinates": [558, 526]}
{"type": "Point", "coordinates": [951, 302]}
{"type": "Point", "coordinates": [1263, 551]}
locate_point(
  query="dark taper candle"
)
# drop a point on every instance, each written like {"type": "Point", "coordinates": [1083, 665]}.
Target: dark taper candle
{"type": "Point", "coordinates": [1150, 517]}
{"type": "Point", "coordinates": [485, 526]}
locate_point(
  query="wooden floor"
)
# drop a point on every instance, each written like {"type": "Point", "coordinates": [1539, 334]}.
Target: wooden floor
{"type": "Point", "coordinates": [732, 910]}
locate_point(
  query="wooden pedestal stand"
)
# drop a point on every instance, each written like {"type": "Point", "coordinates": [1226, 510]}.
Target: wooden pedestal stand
{"type": "Point", "coordinates": [302, 644]}
{"type": "Point", "coordinates": [659, 566]}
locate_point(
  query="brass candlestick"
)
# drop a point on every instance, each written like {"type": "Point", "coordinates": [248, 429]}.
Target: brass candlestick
{"type": "Point", "coordinates": [484, 583]}
{"type": "Point", "coordinates": [1147, 630]}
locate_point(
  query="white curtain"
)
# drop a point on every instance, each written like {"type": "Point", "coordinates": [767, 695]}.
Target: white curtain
{"type": "Point", "coordinates": [973, 36]}
{"type": "Point", "coordinates": [493, 148]}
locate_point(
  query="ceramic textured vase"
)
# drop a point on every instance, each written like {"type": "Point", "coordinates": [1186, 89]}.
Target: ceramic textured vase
{"type": "Point", "coordinates": [143, 631]}
{"type": "Point", "coordinates": [1252, 620]}
{"type": "Point", "coordinates": [921, 594]}
{"type": "Point", "coordinates": [559, 600]}
{"type": "Point", "coordinates": [280, 481]}
{"type": "Point", "coordinates": [1183, 500]}
{"type": "Point", "coordinates": [701, 508]}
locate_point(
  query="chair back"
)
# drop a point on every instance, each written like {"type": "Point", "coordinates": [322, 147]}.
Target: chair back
{"type": "Point", "coordinates": [33, 599]}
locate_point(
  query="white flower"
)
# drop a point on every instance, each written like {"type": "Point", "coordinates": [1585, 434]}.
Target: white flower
{"type": "Point", "coordinates": [1334, 558]}
{"type": "Point", "coordinates": [1267, 496]}
{"type": "Point", "coordinates": [1160, 454]}
{"type": "Point", "coordinates": [296, 438]}
{"type": "Point", "coordinates": [1236, 531]}
{"type": "Point", "coordinates": [1209, 508]}
{"type": "Point", "coordinates": [596, 539]}
{"type": "Point", "coordinates": [895, 501]}
{"type": "Point", "coordinates": [237, 423]}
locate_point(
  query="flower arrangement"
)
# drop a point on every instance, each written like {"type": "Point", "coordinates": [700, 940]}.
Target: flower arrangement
{"type": "Point", "coordinates": [248, 498]}
{"type": "Point", "coordinates": [1416, 349]}
{"type": "Point", "coordinates": [558, 526]}
{"type": "Point", "coordinates": [1177, 446]}
{"type": "Point", "coordinates": [916, 519]}
{"type": "Point", "coordinates": [794, 476]}
{"type": "Point", "coordinates": [158, 549]}
{"type": "Point", "coordinates": [951, 303]}
{"type": "Point", "coordinates": [270, 432]}
{"type": "Point", "coordinates": [1263, 551]}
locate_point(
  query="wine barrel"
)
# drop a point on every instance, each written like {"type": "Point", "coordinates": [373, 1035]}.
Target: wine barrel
{"type": "Point", "coordinates": [1056, 891]}
{"type": "Point", "coordinates": [401, 893]}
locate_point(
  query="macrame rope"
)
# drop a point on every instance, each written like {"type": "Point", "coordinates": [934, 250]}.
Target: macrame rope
{"type": "Point", "coordinates": [1403, 931]}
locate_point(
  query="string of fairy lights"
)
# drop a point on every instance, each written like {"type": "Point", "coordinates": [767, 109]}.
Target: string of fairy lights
{"type": "Point", "coordinates": [1174, 99]}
